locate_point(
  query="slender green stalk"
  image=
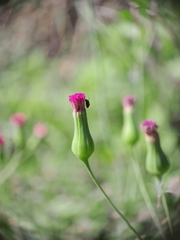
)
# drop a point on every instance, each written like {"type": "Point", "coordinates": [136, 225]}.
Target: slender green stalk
{"type": "Point", "coordinates": [108, 199]}
{"type": "Point", "coordinates": [17, 159]}
{"type": "Point", "coordinates": [10, 167]}
{"type": "Point", "coordinates": [166, 209]}
{"type": "Point", "coordinates": [161, 194]}
{"type": "Point", "coordinates": [145, 193]}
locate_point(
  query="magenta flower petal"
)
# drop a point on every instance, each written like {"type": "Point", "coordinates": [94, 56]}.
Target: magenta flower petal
{"type": "Point", "coordinates": [128, 101]}
{"type": "Point", "coordinates": [2, 140]}
{"type": "Point", "coordinates": [40, 130]}
{"type": "Point", "coordinates": [18, 119]}
{"type": "Point", "coordinates": [149, 127]}
{"type": "Point", "coordinates": [77, 101]}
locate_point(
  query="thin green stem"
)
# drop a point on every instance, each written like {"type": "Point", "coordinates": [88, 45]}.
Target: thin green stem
{"type": "Point", "coordinates": [166, 209]}
{"type": "Point", "coordinates": [145, 194]}
{"type": "Point", "coordinates": [13, 164]}
{"type": "Point", "coordinates": [108, 199]}
{"type": "Point", "coordinates": [161, 194]}
{"type": "Point", "coordinates": [10, 167]}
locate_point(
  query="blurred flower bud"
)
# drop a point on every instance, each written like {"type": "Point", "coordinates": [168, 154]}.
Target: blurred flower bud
{"type": "Point", "coordinates": [40, 130]}
{"type": "Point", "coordinates": [82, 144]}
{"type": "Point", "coordinates": [157, 162]}
{"type": "Point", "coordinates": [2, 140]}
{"type": "Point", "coordinates": [129, 130]}
{"type": "Point", "coordinates": [18, 120]}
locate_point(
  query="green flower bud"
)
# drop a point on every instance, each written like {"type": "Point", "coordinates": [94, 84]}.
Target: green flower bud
{"type": "Point", "coordinates": [18, 121]}
{"type": "Point", "coordinates": [129, 130]}
{"type": "Point", "coordinates": [157, 162]}
{"type": "Point", "coordinates": [82, 144]}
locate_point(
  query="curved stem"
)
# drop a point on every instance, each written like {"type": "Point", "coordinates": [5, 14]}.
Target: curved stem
{"type": "Point", "coordinates": [145, 193]}
{"type": "Point", "coordinates": [166, 209]}
{"type": "Point", "coordinates": [13, 164]}
{"type": "Point", "coordinates": [9, 169]}
{"type": "Point", "coordinates": [108, 199]}
{"type": "Point", "coordinates": [161, 194]}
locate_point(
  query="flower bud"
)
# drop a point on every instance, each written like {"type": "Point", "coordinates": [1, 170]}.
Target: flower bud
{"type": "Point", "coordinates": [18, 121]}
{"type": "Point", "coordinates": [1, 140]}
{"type": "Point", "coordinates": [129, 130]}
{"type": "Point", "coordinates": [40, 130]}
{"type": "Point", "coordinates": [82, 144]}
{"type": "Point", "coordinates": [157, 162]}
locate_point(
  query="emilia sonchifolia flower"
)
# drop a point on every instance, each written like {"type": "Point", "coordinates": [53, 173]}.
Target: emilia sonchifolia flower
{"type": "Point", "coordinates": [157, 162]}
{"type": "Point", "coordinates": [82, 144]}
{"type": "Point", "coordinates": [129, 130]}
{"type": "Point", "coordinates": [40, 130]}
{"type": "Point", "coordinates": [2, 141]}
{"type": "Point", "coordinates": [18, 121]}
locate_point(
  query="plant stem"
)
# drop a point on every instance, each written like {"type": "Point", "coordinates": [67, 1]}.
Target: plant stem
{"type": "Point", "coordinates": [108, 199]}
{"type": "Point", "coordinates": [13, 164]}
{"type": "Point", "coordinates": [166, 209]}
{"type": "Point", "coordinates": [145, 193]}
{"type": "Point", "coordinates": [161, 194]}
{"type": "Point", "coordinates": [10, 167]}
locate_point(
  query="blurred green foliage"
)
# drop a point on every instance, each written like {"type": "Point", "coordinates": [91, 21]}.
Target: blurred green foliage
{"type": "Point", "coordinates": [50, 196]}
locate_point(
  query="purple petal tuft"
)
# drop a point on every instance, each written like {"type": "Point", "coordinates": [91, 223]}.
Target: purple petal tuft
{"type": "Point", "coordinates": [77, 101]}
{"type": "Point", "coordinates": [128, 101]}
{"type": "Point", "coordinates": [149, 127]}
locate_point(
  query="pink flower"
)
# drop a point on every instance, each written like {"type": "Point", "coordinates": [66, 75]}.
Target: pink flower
{"type": "Point", "coordinates": [128, 101]}
{"type": "Point", "coordinates": [77, 101]}
{"type": "Point", "coordinates": [40, 130]}
{"type": "Point", "coordinates": [2, 140]}
{"type": "Point", "coordinates": [18, 119]}
{"type": "Point", "coordinates": [149, 127]}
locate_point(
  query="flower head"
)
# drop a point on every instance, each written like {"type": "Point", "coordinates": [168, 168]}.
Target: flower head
{"type": "Point", "coordinates": [2, 140]}
{"type": "Point", "coordinates": [82, 144]}
{"type": "Point", "coordinates": [128, 101]}
{"type": "Point", "coordinates": [40, 130]}
{"type": "Point", "coordinates": [129, 129]}
{"type": "Point", "coordinates": [77, 101]}
{"type": "Point", "coordinates": [18, 119]}
{"type": "Point", "coordinates": [157, 162]}
{"type": "Point", "coordinates": [149, 127]}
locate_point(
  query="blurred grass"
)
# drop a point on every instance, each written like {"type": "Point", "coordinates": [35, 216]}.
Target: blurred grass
{"type": "Point", "coordinates": [50, 196]}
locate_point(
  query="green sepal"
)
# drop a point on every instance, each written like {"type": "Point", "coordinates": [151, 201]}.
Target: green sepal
{"type": "Point", "coordinates": [82, 144]}
{"type": "Point", "coordinates": [157, 162]}
{"type": "Point", "coordinates": [129, 133]}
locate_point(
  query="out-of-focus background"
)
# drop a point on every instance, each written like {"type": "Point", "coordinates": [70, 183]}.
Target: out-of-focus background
{"type": "Point", "coordinates": [53, 48]}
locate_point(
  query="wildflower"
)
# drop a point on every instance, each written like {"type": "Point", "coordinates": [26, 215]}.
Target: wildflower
{"type": "Point", "coordinates": [82, 144]}
{"type": "Point", "coordinates": [40, 130]}
{"type": "Point", "coordinates": [128, 102]}
{"type": "Point", "coordinates": [18, 121]}
{"type": "Point", "coordinates": [2, 140]}
{"type": "Point", "coordinates": [129, 129]}
{"type": "Point", "coordinates": [157, 162]}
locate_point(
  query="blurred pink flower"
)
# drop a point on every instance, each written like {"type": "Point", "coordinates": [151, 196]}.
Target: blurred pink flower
{"type": "Point", "coordinates": [149, 127]}
{"type": "Point", "coordinates": [40, 130]}
{"type": "Point", "coordinates": [128, 101]}
{"type": "Point", "coordinates": [2, 140]}
{"type": "Point", "coordinates": [77, 101]}
{"type": "Point", "coordinates": [18, 119]}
